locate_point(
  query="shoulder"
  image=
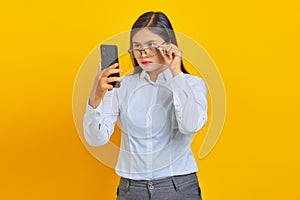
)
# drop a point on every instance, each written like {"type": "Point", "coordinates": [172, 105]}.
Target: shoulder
{"type": "Point", "coordinates": [130, 78]}
{"type": "Point", "coordinates": [194, 80]}
{"type": "Point", "coordinates": [128, 81]}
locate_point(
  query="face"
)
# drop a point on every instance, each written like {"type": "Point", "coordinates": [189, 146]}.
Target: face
{"type": "Point", "coordinates": [145, 39]}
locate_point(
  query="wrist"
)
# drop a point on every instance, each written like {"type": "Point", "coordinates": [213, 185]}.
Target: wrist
{"type": "Point", "coordinates": [176, 72]}
{"type": "Point", "coordinates": [99, 96]}
{"type": "Point", "coordinates": [95, 99]}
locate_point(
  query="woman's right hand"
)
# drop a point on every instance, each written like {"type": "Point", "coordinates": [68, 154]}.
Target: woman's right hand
{"type": "Point", "coordinates": [101, 83]}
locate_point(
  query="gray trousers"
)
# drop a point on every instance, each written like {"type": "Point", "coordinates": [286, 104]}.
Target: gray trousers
{"type": "Point", "coordinates": [183, 187]}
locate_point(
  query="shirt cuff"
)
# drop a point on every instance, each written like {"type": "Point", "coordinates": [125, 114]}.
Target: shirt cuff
{"type": "Point", "coordinates": [94, 113]}
{"type": "Point", "coordinates": [179, 83]}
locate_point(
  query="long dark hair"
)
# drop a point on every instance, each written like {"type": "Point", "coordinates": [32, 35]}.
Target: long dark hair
{"type": "Point", "coordinates": [158, 23]}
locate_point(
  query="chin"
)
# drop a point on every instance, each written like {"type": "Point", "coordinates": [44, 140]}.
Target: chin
{"type": "Point", "coordinates": [150, 67]}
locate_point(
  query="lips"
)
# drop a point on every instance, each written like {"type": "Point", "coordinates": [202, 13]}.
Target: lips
{"type": "Point", "coordinates": [146, 62]}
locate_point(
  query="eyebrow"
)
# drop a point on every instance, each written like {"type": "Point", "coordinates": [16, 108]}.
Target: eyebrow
{"type": "Point", "coordinates": [150, 41]}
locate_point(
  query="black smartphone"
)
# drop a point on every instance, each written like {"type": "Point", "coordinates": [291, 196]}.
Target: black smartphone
{"type": "Point", "coordinates": [109, 56]}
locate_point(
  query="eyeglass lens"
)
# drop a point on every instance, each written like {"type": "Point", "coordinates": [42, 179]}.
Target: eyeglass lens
{"type": "Point", "coordinates": [151, 51]}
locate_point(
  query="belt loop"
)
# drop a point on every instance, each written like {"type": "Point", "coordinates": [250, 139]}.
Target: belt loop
{"type": "Point", "coordinates": [128, 184]}
{"type": "Point", "coordinates": [174, 183]}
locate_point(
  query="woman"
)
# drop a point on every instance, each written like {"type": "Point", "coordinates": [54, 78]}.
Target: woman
{"type": "Point", "coordinates": [160, 106]}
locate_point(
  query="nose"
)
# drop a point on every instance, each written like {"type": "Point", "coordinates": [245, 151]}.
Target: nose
{"type": "Point", "coordinates": [143, 53]}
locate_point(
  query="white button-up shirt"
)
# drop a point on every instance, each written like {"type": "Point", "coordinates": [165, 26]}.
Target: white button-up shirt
{"type": "Point", "coordinates": [156, 119]}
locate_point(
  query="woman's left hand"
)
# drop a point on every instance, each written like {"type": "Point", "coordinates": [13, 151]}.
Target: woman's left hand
{"type": "Point", "coordinates": [172, 56]}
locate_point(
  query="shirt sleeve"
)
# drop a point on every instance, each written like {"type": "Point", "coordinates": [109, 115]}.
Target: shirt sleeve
{"type": "Point", "coordinates": [99, 123]}
{"type": "Point", "coordinates": [190, 102]}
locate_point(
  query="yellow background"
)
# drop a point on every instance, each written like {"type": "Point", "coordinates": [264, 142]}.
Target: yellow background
{"type": "Point", "coordinates": [255, 45]}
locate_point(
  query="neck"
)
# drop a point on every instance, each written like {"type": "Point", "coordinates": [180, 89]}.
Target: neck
{"type": "Point", "coordinates": [154, 74]}
{"type": "Point", "coordinates": [153, 77]}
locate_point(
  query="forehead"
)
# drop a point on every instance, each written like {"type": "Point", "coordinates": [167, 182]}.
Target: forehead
{"type": "Point", "coordinates": [144, 35]}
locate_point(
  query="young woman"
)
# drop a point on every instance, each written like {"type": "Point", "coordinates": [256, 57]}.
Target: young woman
{"type": "Point", "coordinates": [160, 106]}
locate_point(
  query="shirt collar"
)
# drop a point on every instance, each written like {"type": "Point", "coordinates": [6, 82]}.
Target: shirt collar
{"type": "Point", "coordinates": [163, 76]}
{"type": "Point", "coordinates": [144, 75]}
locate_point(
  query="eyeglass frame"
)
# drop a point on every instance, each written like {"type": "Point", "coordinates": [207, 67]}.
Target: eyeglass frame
{"type": "Point", "coordinates": [144, 50]}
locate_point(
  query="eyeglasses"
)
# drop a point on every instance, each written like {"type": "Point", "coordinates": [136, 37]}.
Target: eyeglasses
{"type": "Point", "coordinates": [149, 51]}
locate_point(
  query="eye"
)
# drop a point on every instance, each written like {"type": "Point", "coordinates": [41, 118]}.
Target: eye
{"type": "Point", "coordinates": [135, 46]}
{"type": "Point", "coordinates": [152, 44]}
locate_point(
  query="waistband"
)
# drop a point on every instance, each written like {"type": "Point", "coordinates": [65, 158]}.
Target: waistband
{"type": "Point", "coordinates": [175, 181]}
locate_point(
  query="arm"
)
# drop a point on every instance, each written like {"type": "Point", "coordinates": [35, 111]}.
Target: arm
{"type": "Point", "coordinates": [189, 93]}
{"type": "Point", "coordinates": [190, 102]}
{"type": "Point", "coordinates": [102, 110]}
{"type": "Point", "coordinates": [99, 123]}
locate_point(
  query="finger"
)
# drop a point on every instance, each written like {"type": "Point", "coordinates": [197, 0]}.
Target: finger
{"type": "Point", "coordinates": [168, 48]}
{"type": "Point", "coordinates": [113, 79]}
{"type": "Point", "coordinates": [175, 62]}
{"type": "Point", "coordinates": [111, 70]}
{"type": "Point", "coordinates": [168, 51]}
{"type": "Point", "coordinates": [111, 66]}
{"type": "Point", "coordinates": [174, 51]}
{"type": "Point", "coordinates": [171, 49]}
{"type": "Point", "coordinates": [178, 52]}
{"type": "Point", "coordinates": [108, 72]}
{"type": "Point", "coordinates": [114, 71]}
{"type": "Point", "coordinates": [107, 86]}
{"type": "Point", "coordinates": [162, 52]}
{"type": "Point", "coordinates": [171, 46]}
{"type": "Point", "coordinates": [176, 59]}
{"type": "Point", "coordinates": [99, 68]}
